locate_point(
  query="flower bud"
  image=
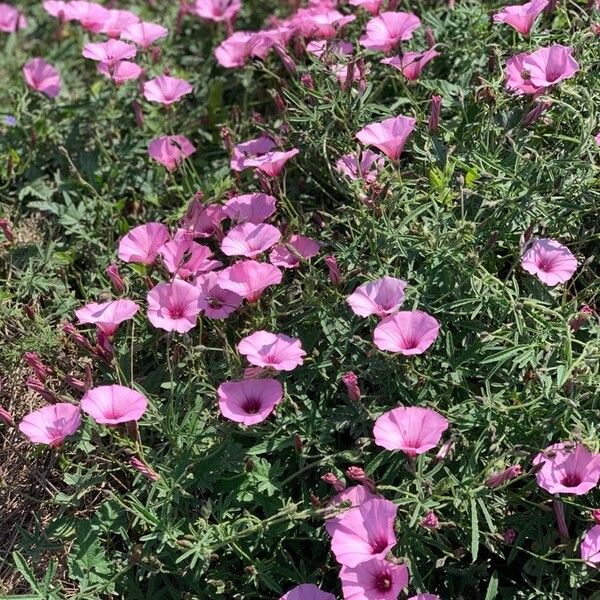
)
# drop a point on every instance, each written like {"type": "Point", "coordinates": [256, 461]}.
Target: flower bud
{"type": "Point", "coordinates": [434, 114]}
{"type": "Point", "coordinates": [430, 521]}
{"type": "Point", "coordinates": [334, 271]}
{"type": "Point", "coordinates": [350, 380]}
{"type": "Point", "coordinates": [332, 480]}
{"type": "Point", "coordinates": [112, 272]}
{"type": "Point", "coordinates": [497, 479]}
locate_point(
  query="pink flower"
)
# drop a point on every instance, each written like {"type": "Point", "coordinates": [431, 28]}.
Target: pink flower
{"type": "Point", "coordinates": [239, 47]}
{"type": "Point", "coordinates": [498, 479]}
{"type": "Point", "coordinates": [350, 380]}
{"type": "Point", "coordinates": [411, 64]}
{"type": "Point", "coordinates": [334, 481]}
{"type": "Point", "coordinates": [333, 268]}
{"type": "Point", "coordinates": [42, 77]}
{"type": "Point", "coordinates": [250, 208]}
{"type": "Point", "coordinates": [567, 469]}
{"type": "Point", "coordinates": [141, 244]}
{"type": "Point", "coordinates": [51, 424]}
{"type": "Point", "coordinates": [216, 302]}
{"type": "Point", "coordinates": [360, 166]}
{"type": "Point", "coordinates": [109, 52]}
{"type": "Point", "coordinates": [353, 496]}
{"type": "Point", "coordinates": [521, 17]}
{"type": "Point", "coordinates": [434, 115]}
{"type": "Point", "coordinates": [363, 533]}
{"type": "Point", "coordinates": [272, 350]}
{"type": "Point", "coordinates": [107, 315]}
{"type": "Point", "coordinates": [381, 297]}
{"type": "Point", "coordinates": [121, 71]}
{"type": "Point", "coordinates": [112, 272]}
{"type": "Point", "coordinates": [552, 262]}
{"type": "Point", "coordinates": [389, 135]}
{"type": "Point", "coordinates": [597, 139]}
{"type": "Point", "coordinates": [412, 429]}
{"type": "Point", "coordinates": [170, 150]}
{"type": "Point", "coordinates": [185, 258]}
{"type": "Point", "coordinates": [144, 469]}
{"type": "Point", "coordinates": [590, 547]}
{"type": "Point", "coordinates": [217, 10]}
{"type": "Point", "coordinates": [113, 404]}
{"type": "Point", "coordinates": [407, 332]}
{"type": "Point", "coordinates": [117, 21]}
{"type": "Point", "coordinates": [375, 579]}
{"type": "Point", "coordinates": [430, 521]}
{"type": "Point", "coordinates": [307, 591]}
{"type": "Point", "coordinates": [386, 31]}
{"type": "Point", "coordinates": [89, 15]}
{"type": "Point", "coordinates": [166, 90]}
{"type": "Point", "coordinates": [11, 19]}
{"type": "Point", "coordinates": [249, 401]}
{"type": "Point", "coordinates": [320, 23]}
{"type": "Point", "coordinates": [288, 255]}
{"type": "Point", "coordinates": [425, 597]}
{"type": "Point", "coordinates": [203, 221]}
{"type": "Point", "coordinates": [250, 239]}
{"type": "Point", "coordinates": [518, 78]}
{"type": "Point", "coordinates": [372, 6]}
{"type": "Point", "coordinates": [55, 8]}
{"type": "Point", "coordinates": [260, 153]}
{"type": "Point", "coordinates": [249, 278]}
{"type": "Point", "coordinates": [144, 34]}
{"type": "Point", "coordinates": [324, 49]}
{"type": "Point", "coordinates": [551, 65]}
{"type": "Point", "coordinates": [174, 306]}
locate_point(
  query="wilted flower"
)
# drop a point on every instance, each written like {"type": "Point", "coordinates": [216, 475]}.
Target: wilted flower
{"type": "Point", "coordinates": [510, 535]}
{"type": "Point", "coordinates": [114, 404]}
{"type": "Point", "coordinates": [434, 114]}
{"type": "Point", "coordinates": [358, 474]}
{"type": "Point", "coordinates": [334, 270]}
{"type": "Point", "coordinates": [249, 401]}
{"type": "Point", "coordinates": [334, 481]}
{"type": "Point", "coordinates": [6, 417]}
{"type": "Point", "coordinates": [430, 521]}
{"type": "Point", "coordinates": [6, 229]}
{"type": "Point", "coordinates": [498, 479]}
{"type": "Point", "coordinates": [51, 424]}
{"type": "Point", "coordinates": [34, 362]}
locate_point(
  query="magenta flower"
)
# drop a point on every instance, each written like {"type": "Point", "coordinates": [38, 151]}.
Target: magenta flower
{"type": "Point", "coordinates": [89, 15]}
{"type": "Point", "coordinates": [597, 139]}
{"type": "Point", "coordinates": [144, 34]}
{"type": "Point", "coordinates": [333, 269]}
{"type": "Point", "coordinates": [166, 90]}
{"type": "Point", "coordinates": [381, 297]}
{"type": "Point", "coordinates": [250, 239]}
{"type": "Point", "coordinates": [412, 429]}
{"type": "Point", "coordinates": [239, 47]}
{"type": "Point", "coordinates": [186, 258]}
{"type": "Point", "coordinates": [121, 71]}
{"type": "Point", "coordinates": [407, 332]}
{"type": "Point", "coordinates": [430, 521]}
{"type": "Point", "coordinates": [288, 255]}
{"type": "Point", "coordinates": [551, 65]}
{"type": "Point", "coordinates": [363, 533]}
{"type": "Point", "coordinates": [107, 315]}
{"type": "Point", "coordinates": [521, 17]}
{"type": "Point", "coordinates": [590, 547]}
{"type": "Point", "coordinates": [250, 208]}
{"type": "Point", "coordinates": [425, 597]}
{"type": "Point", "coordinates": [141, 244]}
{"type": "Point", "coordinates": [350, 380]}
{"type": "Point", "coordinates": [518, 78]}
{"type": "Point", "coordinates": [109, 52]}
{"type": "Point", "coordinates": [375, 579]}
{"type": "Point", "coordinates": [272, 350]}
{"type": "Point", "coordinates": [217, 10]}
{"type": "Point", "coordinates": [249, 278]}
{"type": "Point", "coordinates": [552, 262]}
{"type": "Point", "coordinates": [260, 153]}
{"type": "Point", "coordinates": [389, 135]}
{"type": "Point", "coordinates": [215, 301]}
{"type": "Point", "coordinates": [203, 221]}
{"type": "Point", "coordinates": [170, 150]}
{"type": "Point", "coordinates": [307, 591]}
{"type": "Point", "coordinates": [411, 64]}
{"type": "Point", "coordinates": [117, 21]}
{"type": "Point", "coordinates": [567, 469]}
{"type": "Point", "coordinates": [174, 306]}
{"type": "Point", "coordinates": [364, 166]}
{"type": "Point", "coordinates": [434, 115]}
{"type": "Point", "coordinates": [353, 496]}
{"type": "Point", "coordinates": [51, 424]}
{"type": "Point", "coordinates": [42, 77]}
{"type": "Point", "coordinates": [320, 22]}
{"type": "Point", "coordinates": [113, 404]}
{"type": "Point", "coordinates": [386, 31]}
{"type": "Point", "coordinates": [372, 6]}
{"type": "Point", "coordinates": [249, 401]}
{"type": "Point", "coordinates": [11, 19]}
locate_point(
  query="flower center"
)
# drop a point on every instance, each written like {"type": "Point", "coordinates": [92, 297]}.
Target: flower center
{"type": "Point", "coordinates": [546, 265]}
{"type": "Point", "coordinates": [214, 303]}
{"type": "Point", "coordinates": [251, 406]}
{"type": "Point", "coordinates": [571, 480]}
{"type": "Point", "coordinates": [378, 546]}
{"type": "Point", "coordinates": [383, 581]}
{"type": "Point", "coordinates": [176, 312]}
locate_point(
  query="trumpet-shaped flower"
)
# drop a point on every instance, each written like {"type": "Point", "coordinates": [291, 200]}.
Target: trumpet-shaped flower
{"type": "Point", "coordinates": [141, 244]}
{"type": "Point", "coordinates": [260, 153]}
{"type": "Point", "coordinates": [217, 10]}
{"type": "Point", "coordinates": [550, 261]}
{"type": "Point", "coordinates": [521, 17]}
{"type": "Point", "coordinates": [186, 258]}
{"type": "Point", "coordinates": [11, 19]}
{"type": "Point", "coordinates": [371, 6]}
{"type": "Point", "coordinates": [387, 30]}
{"type": "Point", "coordinates": [411, 64]}
{"type": "Point", "coordinates": [288, 255]}
{"type": "Point", "coordinates": [170, 150]}
{"type": "Point", "coordinates": [320, 22]}
{"type": "Point", "coordinates": [113, 404]}
{"type": "Point", "coordinates": [89, 15]}
{"type": "Point", "coordinates": [166, 90]}
{"type": "Point", "coordinates": [590, 547]}
{"type": "Point", "coordinates": [250, 239]}
{"type": "Point", "coordinates": [109, 52]}
{"type": "Point", "coordinates": [407, 332]}
{"type": "Point", "coordinates": [272, 350]}
{"type": "Point", "coordinates": [307, 591]}
{"type": "Point", "coordinates": [144, 34]}
{"type": "Point", "coordinates": [375, 579]}
{"type": "Point", "coordinates": [121, 71]}
{"type": "Point", "coordinates": [381, 297]}
{"type": "Point", "coordinates": [51, 424]}
{"type": "Point", "coordinates": [249, 401]}
{"type": "Point", "coordinates": [215, 301]}
{"type": "Point", "coordinates": [360, 166]}
{"type": "Point", "coordinates": [107, 316]}
{"type": "Point", "coordinates": [117, 21]}
{"type": "Point", "coordinates": [240, 46]}
{"type": "Point", "coordinates": [389, 135]}
{"type": "Point", "coordinates": [250, 208]}
{"type": "Point", "coordinates": [42, 77]}
{"type": "Point", "coordinates": [174, 306]}
{"type": "Point", "coordinates": [551, 65]}
{"type": "Point", "coordinates": [249, 278]}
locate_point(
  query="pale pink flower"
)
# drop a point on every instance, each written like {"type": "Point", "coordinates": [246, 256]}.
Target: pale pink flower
{"type": "Point", "coordinates": [411, 429]}
{"type": "Point", "coordinates": [411, 64]}
{"type": "Point", "coordinates": [216, 10]}
{"type": "Point", "coordinates": [121, 71]}
{"type": "Point", "coordinates": [185, 258]}
{"type": "Point", "coordinates": [407, 332]}
{"type": "Point", "coordinates": [250, 239]}
{"type": "Point", "coordinates": [567, 469]}
{"type": "Point", "coordinates": [425, 597]}
{"type": "Point", "coordinates": [51, 424]}
{"type": "Point", "coordinates": [497, 479]}
{"type": "Point", "coordinates": [107, 316]}
{"type": "Point", "coordinates": [351, 497]}
{"type": "Point", "coordinates": [324, 49]}
{"type": "Point", "coordinates": [170, 150]}
{"type": "Point", "coordinates": [260, 153]}
{"type": "Point", "coordinates": [203, 221]}
{"type": "Point", "coordinates": [250, 208]}
{"type": "Point", "coordinates": [56, 8]}
{"type": "Point", "coordinates": [89, 15]}
{"type": "Point", "coordinates": [215, 301]}
{"type": "Point", "coordinates": [288, 255]}
{"type": "Point", "coordinates": [307, 591]}
{"type": "Point", "coordinates": [11, 19]}
{"type": "Point", "coordinates": [109, 52]}
{"type": "Point", "coordinates": [521, 17]}
{"type": "Point", "coordinates": [551, 65]}
{"type": "Point", "coordinates": [597, 139]}
{"type": "Point", "coordinates": [249, 278]}
{"type": "Point", "coordinates": [375, 579]}
{"type": "Point", "coordinates": [279, 35]}
{"type": "Point", "coordinates": [249, 401]}
{"type": "Point", "coordinates": [381, 297]}
{"type": "Point", "coordinates": [386, 31]}
{"type": "Point", "coordinates": [42, 77]}
{"type": "Point", "coordinates": [114, 404]}
{"type": "Point", "coordinates": [240, 46]}
{"type": "Point", "coordinates": [550, 261]}
{"type": "Point", "coordinates": [320, 22]}
{"type": "Point", "coordinates": [144, 34]}
{"type": "Point", "coordinates": [272, 350]}
{"type": "Point", "coordinates": [363, 533]}
{"type": "Point", "coordinates": [389, 135]}
{"type": "Point", "coordinates": [372, 6]}
{"type": "Point", "coordinates": [174, 306]}
{"type": "Point", "coordinates": [166, 90]}
{"type": "Point", "coordinates": [518, 78]}
{"type": "Point", "coordinates": [141, 244]}
{"type": "Point", "coordinates": [117, 21]}
{"type": "Point", "coordinates": [365, 165]}
{"type": "Point", "coordinates": [350, 380]}
{"type": "Point", "coordinates": [590, 547]}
